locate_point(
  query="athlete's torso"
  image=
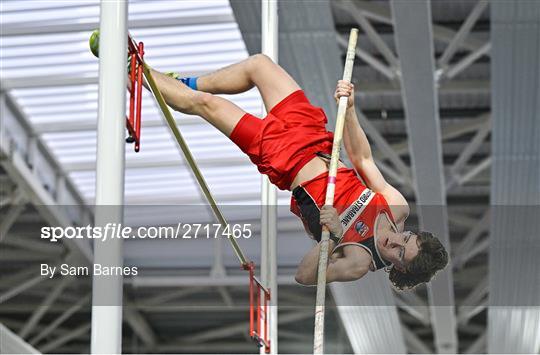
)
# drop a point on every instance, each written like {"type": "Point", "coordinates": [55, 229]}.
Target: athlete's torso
{"type": "Point", "coordinates": [313, 168]}
{"type": "Point", "coordinates": [360, 210]}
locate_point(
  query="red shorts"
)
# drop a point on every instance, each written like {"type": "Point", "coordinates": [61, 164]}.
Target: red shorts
{"type": "Point", "coordinates": [285, 140]}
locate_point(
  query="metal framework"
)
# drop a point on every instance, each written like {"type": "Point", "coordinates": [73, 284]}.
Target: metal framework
{"type": "Point", "coordinates": [13, 344]}
{"type": "Point", "coordinates": [414, 43]}
{"type": "Point", "coordinates": [27, 164]}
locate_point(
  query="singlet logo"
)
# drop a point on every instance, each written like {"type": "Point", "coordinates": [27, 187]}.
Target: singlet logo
{"type": "Point", "coordinates": [354, 210]}
{"type": "Point", "coordinates": [361, 228]}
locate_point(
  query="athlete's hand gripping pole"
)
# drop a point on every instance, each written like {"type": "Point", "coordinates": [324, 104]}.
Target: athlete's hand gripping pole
{"type": "Point", "coordinates": [318, 344]}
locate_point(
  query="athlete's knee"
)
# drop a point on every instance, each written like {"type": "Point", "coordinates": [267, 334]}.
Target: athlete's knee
{"type": "Point", "coordinates": [203, 102]}
{"type": "Point", "coordinates": [192, 103]}
{"type": "Point", "coordinates": [261, 59]}
{"type": "Point", "coordinates": [260, 62]}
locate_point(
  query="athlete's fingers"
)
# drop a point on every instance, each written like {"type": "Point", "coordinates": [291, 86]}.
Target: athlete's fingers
{"type": "Point", "coordinates": [345, 88]}
{"type": "Point", "coordinates": [343, 92]}
{"type": "Point", "coordinates": [346, 84]}
{"type": "Point", "coordinates": [328, 210]}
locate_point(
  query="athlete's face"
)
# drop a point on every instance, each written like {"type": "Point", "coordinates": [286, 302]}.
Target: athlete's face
{"type": "Point", "coordinates": [399, 249]}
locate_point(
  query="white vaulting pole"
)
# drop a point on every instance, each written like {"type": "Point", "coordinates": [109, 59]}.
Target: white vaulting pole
{"type": "Point", "coordinates": [269, 46]}
{"type": "Point", "coordinates": [107, 290]}
{"type": "Point", "coordinates": [318, 343]}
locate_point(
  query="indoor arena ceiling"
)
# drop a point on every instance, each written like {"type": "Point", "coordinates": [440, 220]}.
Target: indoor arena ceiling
{"type": "Point", "coordinates": [49, 116]}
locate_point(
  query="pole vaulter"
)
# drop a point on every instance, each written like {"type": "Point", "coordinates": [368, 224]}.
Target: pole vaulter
{"type": "Point", "coordinates": [354, 213]}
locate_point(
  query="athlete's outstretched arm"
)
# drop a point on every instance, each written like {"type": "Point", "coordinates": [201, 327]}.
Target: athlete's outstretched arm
{"type": "Point", "coordinates": [352, 266]}
{"type": "Point", "coordinates": [348, 268]}
{"type": "Point", "coordinates": [357, 144]}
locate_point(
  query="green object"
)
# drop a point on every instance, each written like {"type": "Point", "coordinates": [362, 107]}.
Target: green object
{"type": "Point", "coordinates": [173, 75]}
{"type": "Point", "coordinates": [94, 43]}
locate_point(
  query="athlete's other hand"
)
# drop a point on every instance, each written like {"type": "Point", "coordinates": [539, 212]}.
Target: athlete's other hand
{"type": "Point", "coordinates": [329, 218]}
{"type": "Point", "coordinates": [345, 88]}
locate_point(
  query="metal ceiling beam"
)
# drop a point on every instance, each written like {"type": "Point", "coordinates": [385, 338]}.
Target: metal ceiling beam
{"type": "Point", "coordinates": [91, 125]}
{"type": "Point", "coordinates": [18, 205]}
{"type": "Point", "coordinates": [28, 82]}
{"type": "Point", "coordinates": [369, 59]}
{"type": "Point", "coordinates": [411, 303]}
{"type": "Point", "coordinates": [382, 14]}
{"type": "Point", "coordinates": [50, 201]}
{"type": "Point", "coordinates": [467, 153]}
{"type": "Point", "coordinates": [479, 227]}
{"type": "Point", "coordinates": [61, 340]}
{"type": "Point", "coordinates": [231, 329]}
{"type": "Point", "coordinates": [21, 288]}
{"type": "Point", "coordinates": [474, 171]}
{"type": "Point", "coordinates": [362, 304]}
{"type": "Point", "coordinates": [197, 281]}
{"type": "Point", "coordinates": [46, 81]}
{"type": "Point", "coordinates": [164, 297]}
{"type": "Point", "coordinates": [66, 314]}
{"type": "Point", "coordinates": [139, 325]}
{"type": "Point", "coordinates": [445, 87]}
{"type": "Point", "coordinates": [371, 33]}
{"type": "Point", "coordinates": [414, 344]}
{"type": "Point", "coordinates": [162, 162]}
{"type": "Point", "coordinates": [478, 346]}
{"type": "Point", "coordinates": [368, 89]}
{"type": "Point", "coordinates": [385, 148]}
{"type": "Point", "coordinates": [402, 148]}
{"type": "Point", "coordinates": [414, 42]}
{"type": "Point", "coordinates": [467, 313]}
{"type": "Point", "coordinates": [464, 63]}
{"type": "Point", "coordinates": [240, 347]}
{"type": "Point", "coordinates": [40, 311]}
{"type": "Point", "coordinates": [462, 34]}
{"type": "Point", "coordinates": [10, 343]}
{"type": "Point", "coordinates": [31, 28]}
{"type": "Point", "coordinates": [63, 206]}
{"type": "Point", "coordinates": [44, 248]}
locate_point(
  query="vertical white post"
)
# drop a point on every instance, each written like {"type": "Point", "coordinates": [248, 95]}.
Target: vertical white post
{"type": "Point", "coordinates": [269, 46]}
{"type": "Point", "coordinates": [107, 290]}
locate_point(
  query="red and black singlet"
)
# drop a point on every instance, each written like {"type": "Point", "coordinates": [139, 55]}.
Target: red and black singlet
{"type": "Point", "coordinates": [357, 205]}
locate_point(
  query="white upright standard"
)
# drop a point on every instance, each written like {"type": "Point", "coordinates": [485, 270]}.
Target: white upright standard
{"type": "Point", "coordinates": [107, 291]}
{"type": "Point", "coordinates": [269, 46]}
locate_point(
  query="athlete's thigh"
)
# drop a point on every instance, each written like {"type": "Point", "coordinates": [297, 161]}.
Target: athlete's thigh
{"type": "Point", "coordinates": [273, 82]}
{"type": "Point", "coordinates": [221, 113]}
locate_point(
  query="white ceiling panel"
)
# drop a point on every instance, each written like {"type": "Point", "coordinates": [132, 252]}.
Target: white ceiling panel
{"type": "Point", "coordinates": [66, 116]}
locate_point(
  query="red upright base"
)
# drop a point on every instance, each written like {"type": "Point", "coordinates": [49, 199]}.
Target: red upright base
{"type": "Point", "coordinates": [133, 121]}
{"type": "Point", "coordinates": [259, 297]}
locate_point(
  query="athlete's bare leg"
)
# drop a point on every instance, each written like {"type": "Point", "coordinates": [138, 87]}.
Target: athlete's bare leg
{"type": "Point", "coordinates": [221, 113]}
{"type": "Point", "coordinates": [273, 82]}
